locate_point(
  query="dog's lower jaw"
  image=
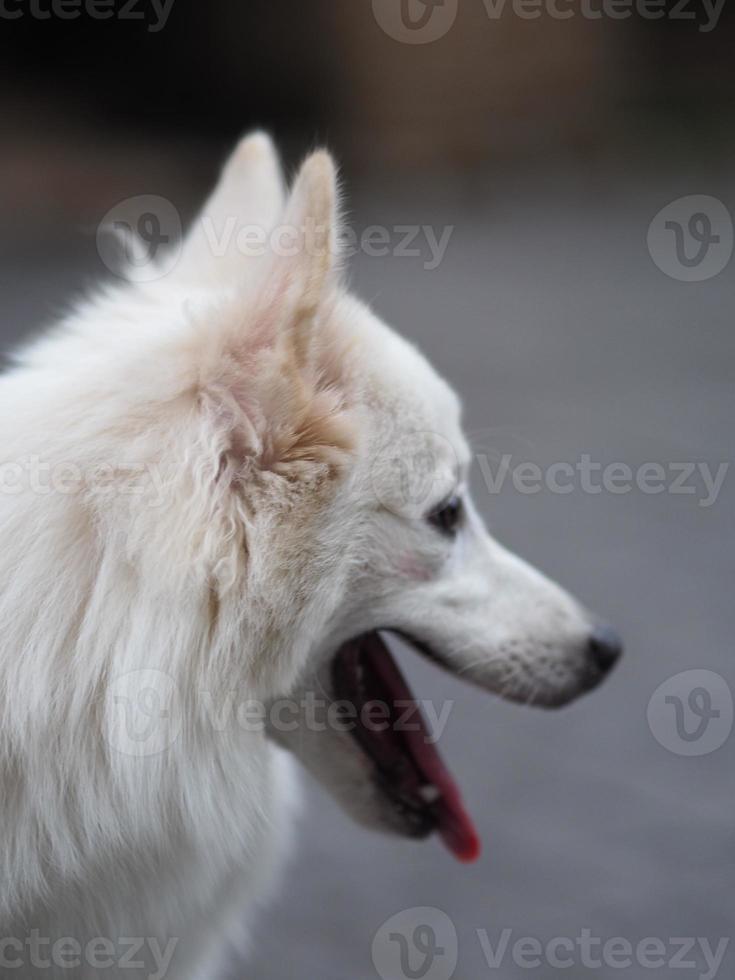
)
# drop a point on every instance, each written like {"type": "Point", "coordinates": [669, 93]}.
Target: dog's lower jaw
{"type": "Point", "coordinates": [547, 688]}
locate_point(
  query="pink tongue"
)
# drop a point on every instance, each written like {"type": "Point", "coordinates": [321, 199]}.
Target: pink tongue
{"type": "Point", "coordinates": [455, 825]}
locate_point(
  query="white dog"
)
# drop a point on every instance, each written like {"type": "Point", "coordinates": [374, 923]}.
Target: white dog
{"type": "Point", "coordinates": [224, 483]}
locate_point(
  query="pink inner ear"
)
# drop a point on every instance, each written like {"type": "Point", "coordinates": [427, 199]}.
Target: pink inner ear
{"type": "Point", "coordinates": [268, 322]}
{"type": "Point", "coordinates": [255, 340]}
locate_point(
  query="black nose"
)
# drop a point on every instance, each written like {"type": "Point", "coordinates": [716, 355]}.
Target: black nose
{"type": "Point", "coordinates": [605, 647]}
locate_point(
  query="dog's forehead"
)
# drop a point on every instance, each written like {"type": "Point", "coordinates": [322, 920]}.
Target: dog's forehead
{"type": "Point", "coordinates": [398, 379]}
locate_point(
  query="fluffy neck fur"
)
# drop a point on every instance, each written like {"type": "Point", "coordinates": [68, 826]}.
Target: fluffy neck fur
{"type": "Point", "coordinates": [184, 420]}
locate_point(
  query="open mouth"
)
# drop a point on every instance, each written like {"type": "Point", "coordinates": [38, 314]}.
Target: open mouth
{"type": "Point", "coordinates": [392, 732]}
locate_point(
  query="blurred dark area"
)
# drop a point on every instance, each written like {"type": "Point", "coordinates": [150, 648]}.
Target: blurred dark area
{"type": "Point", "coordinates": [492, 91]}
{"type": "Point", "coordinates": [490, 88]}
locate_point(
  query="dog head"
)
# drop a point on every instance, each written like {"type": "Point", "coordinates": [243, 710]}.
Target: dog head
{"type": "Point", "coordinates": [380, 533]}
{"type": "Point", "coordinates": [311, 494]}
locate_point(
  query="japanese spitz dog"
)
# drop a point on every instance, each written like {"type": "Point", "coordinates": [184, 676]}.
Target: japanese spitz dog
{"type": "Point", "coordinates": [229, 482]}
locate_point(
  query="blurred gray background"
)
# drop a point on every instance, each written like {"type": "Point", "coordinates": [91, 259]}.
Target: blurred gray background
{"type": "Point", "coordinates": [548, 147]}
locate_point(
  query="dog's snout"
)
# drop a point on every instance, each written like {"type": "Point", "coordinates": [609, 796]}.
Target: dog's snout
{"type": "Point", "coordinates": [605, 647]}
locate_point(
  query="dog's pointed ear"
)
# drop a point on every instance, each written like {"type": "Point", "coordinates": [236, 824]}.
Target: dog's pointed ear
{"type": "Point", "coordinates": [302, 268]}
{"type": "Point", "coordinates": [247, 201]}
{"type": "Point", "coordinates": [283, 368]}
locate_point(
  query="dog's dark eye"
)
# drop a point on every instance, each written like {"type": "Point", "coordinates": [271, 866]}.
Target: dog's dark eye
{"type": "Point", "coordinates": [448, 517]}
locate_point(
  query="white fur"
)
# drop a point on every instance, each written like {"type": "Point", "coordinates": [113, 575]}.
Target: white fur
{"type": "Point", "coordinates": [243, 557]}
